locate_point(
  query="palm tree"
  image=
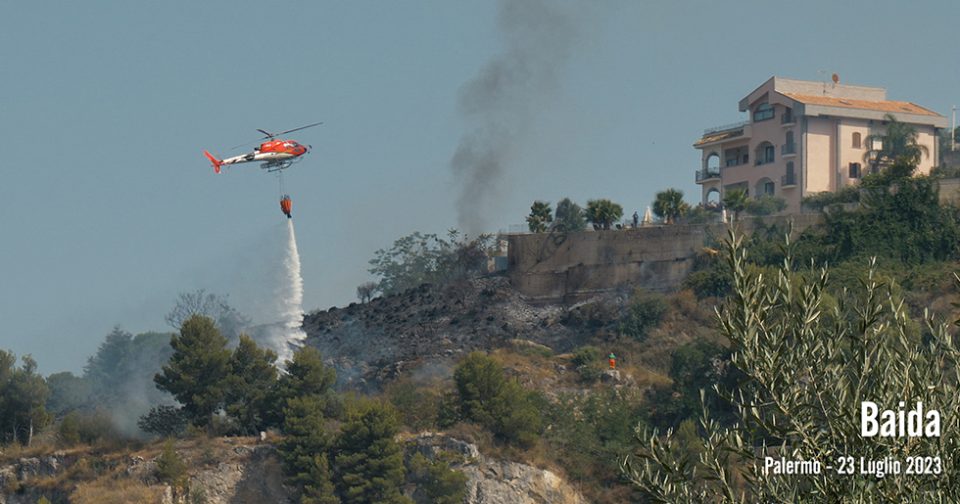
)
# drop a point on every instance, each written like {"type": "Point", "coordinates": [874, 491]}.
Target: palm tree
{"type": "Point", "coordinates": [540, 216]}
{"type": "Point", "coordinates": [603, 212]}
{"type": "Point", "coordinates": [735, 200]}
{"type": "Point", "coordinates": [669, 205]}
{"type": "Point", "coordinates": [898, 145]}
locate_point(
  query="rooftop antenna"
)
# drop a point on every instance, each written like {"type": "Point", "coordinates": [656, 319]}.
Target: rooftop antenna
{"type": "Point", "coordinates": [833, 76]}
{"type": "Point", "coordinates": [953, 131]}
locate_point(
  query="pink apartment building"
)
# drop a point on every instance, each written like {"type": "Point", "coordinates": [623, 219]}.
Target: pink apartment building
{"type": "Point", "coordinates": [805, 137]}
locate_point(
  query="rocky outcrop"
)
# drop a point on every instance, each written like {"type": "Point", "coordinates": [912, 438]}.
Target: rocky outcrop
{"type": "Point", "coordinates": [254, 477]}
{"type": "Point", "coordinates": [494, 481]}
{"type": "Point", "coordinates": [225, 472]}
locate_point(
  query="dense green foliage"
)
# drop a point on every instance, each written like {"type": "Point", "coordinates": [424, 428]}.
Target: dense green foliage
{"type": "Point", "coordinates": [23, 394]}
{"type": "Point", "coordinates": [828, 199]}
{"type": "Point", "coordinates": [603, 213]}
{"type": "Point", "coordinates": [569, 217]}
{"type": "Point", "coordinates": [438, 482]}
{"type": "Point", "coordinates": [900, 221]}
{"type": "Point", "coordinates": [249, 386]}
{"type": "Point", "coordinates": [540, 217]}
{"type": "Point", "coordinates": [196, 373]}
{"type": "Point", "coordinates": [694, 367]}
{"type": "Point", "coordinates": [163, 421]}
{"type": "Point", "coordinates": [786, 325]}
{"type": "Point", "coordinates": [426, 258]}
{"type": "Point", "coordinates": [305, 446]}
{"type": "Point", "coordinates": [904, 222]}
{"type": "Point", "coordinates": [592, 432]}
{"type": "Point", "coordinates": [369, 462]}
{"type": "Point", "coordinates": [765, 205]}
{"type": "Point", "coordinates": [488, 398]}
{"type": "Point", "coordinates": [645, 311]}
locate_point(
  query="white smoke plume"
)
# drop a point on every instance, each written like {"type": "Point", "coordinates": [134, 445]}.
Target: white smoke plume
{"type": "Point", "coordinates": [501, 102]}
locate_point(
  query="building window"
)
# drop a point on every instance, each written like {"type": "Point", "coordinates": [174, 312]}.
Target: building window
{"type": "Point", "coordinates": [787, 116]}
{"type": "Point", "coordinates": [765, 153]}
{"type": "Point", "coordinates": [790, 178]}
{"type": "Point", "coordinates": [854, 170]}
{"type": "Point", "coordinates": [857, 142]}
{"type": "Point", "coordinates": [763, 112]}
{"type": "Point", "coordinates": [768, 188]}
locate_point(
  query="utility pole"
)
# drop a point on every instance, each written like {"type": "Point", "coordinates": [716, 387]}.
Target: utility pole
{"type": "Point", "coordinates": [953, 131]}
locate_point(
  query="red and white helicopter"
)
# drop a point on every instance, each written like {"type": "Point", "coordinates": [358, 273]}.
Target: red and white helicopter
{"type": "Point", "coordinates": [276, 154]}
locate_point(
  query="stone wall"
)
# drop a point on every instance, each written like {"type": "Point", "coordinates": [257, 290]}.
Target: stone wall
{"type": "Point", "coordinates": [571, 266]}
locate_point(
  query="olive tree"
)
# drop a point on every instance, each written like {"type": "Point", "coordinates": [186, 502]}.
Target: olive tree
{"type": "Point", "coordinates": [808, 361]}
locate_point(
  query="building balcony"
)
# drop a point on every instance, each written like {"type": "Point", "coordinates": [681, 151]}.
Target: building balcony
{"type": "Point", "coordinates": [787, 119]}
{"type": "Point", "coordinates": [707, 175]}
{"type": "Point", "coordinates": [787, 150]}
{"type": "Point", "coordinates": [788, 181]}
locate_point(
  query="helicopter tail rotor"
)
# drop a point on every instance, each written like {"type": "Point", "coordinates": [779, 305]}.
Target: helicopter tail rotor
{"type": "Point", "coordinates": [213, 160]}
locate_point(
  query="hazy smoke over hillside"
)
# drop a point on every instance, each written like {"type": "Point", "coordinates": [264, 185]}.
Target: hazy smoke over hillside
{"type": "Point", "coordinates": [499, 104]}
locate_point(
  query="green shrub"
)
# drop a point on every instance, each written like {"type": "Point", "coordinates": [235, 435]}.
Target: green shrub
{"type": "Point", "coordinates": [765, 205]}
{"type": "Point", "coordinates": [822, 200]}
{"type": "Point", "coordinates": [88, 428]}
{"type": "Point", "coordinates": [645, 312]}
{"type": "Point", "coordinates": [170, 467]}
{"type": "Point", "coordinates": [488, 398]}
{"type": "Point", "coordinates": [439, 483]}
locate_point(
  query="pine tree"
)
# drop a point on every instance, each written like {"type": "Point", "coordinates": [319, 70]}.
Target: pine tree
{"type": "Point", "coordinates": [320, 489]}
{"type": "Point", "coordinates": [306, 375]}
{"type": "Point", "coordinates": [197, 371]}
{"type": "Point", "coordinates": [251, 385]}
{"type": "Point", "coordinates": [369, 462]}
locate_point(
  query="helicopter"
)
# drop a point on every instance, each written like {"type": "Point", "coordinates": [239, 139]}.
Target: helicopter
{"type": "Point", "coordinates": [277, 154]}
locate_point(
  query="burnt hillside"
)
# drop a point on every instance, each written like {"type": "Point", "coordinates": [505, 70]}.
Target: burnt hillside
{"type": "Point", "coordinates": [433, 325]}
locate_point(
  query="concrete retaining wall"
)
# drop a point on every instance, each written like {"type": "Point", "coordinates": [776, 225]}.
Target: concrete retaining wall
{"type": "Point", "coordinates": [571, 266]}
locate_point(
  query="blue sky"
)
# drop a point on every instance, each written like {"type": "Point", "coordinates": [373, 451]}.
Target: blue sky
{"type": "Point", "coordinates": [108, 209]}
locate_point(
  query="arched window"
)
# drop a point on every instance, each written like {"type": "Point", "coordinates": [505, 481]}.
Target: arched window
{"type": "Point", "coordinates": [765, 153]}
{"type": "Point", "coordinates": [764, 187]}
{"type": "Point", "coordinates": [857, 141]}
{"type": "Point", "coordinates": [713, 163]}
{"type": "Point", "coordinates": [763, 112]}
{"type": "Point", "coordinates": [713, 197]}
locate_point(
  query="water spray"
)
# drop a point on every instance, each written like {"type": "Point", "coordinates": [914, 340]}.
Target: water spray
{"type": "Point", "coordinates": [291, 301]}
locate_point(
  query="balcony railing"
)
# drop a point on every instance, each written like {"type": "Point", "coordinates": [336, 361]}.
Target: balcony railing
{"type": "Point", "coordinates": [788, 180]}
{"type": "Point", "coordinates": [788, 149]}
{"type": "Point", "coordinates": [786, 118]}
{"type": "Point", "coordinates": [725, 127]}
{"type": "Point", "coordinates": [707, 174]}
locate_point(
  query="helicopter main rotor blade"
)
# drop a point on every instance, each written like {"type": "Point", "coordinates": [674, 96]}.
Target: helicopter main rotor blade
{"type": "Point", "coordinates": [245, 144]}
{"type": "Point", "coordinates": [271, 136]}
{"type": "Point", "coordinates": [297, 129]}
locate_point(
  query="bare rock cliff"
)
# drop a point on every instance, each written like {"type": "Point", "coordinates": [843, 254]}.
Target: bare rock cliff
{"type": "Point", "coordinates": [494, 481]}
